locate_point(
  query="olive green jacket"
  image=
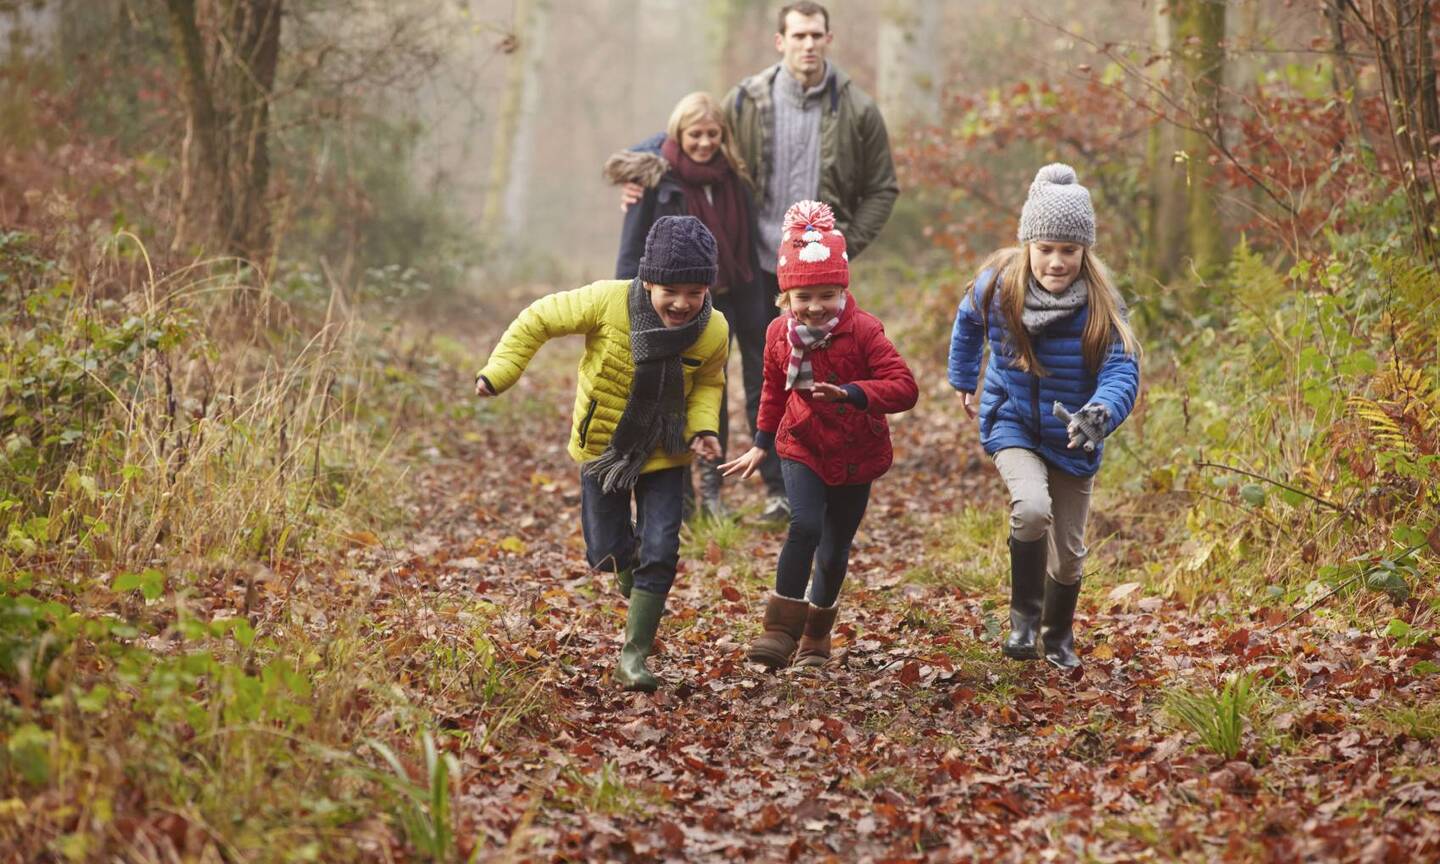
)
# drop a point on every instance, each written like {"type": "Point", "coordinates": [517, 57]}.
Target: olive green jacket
{"type": "Point", "coordinates": [857, 176]}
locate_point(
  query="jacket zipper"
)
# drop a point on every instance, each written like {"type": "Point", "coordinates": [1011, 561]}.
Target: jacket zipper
{"type": "Point", "coordinates": [1035, 404]}
{"type": "Point", "coordinates": [585, 423]}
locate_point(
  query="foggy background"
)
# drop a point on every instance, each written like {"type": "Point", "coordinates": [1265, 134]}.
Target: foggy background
{"type": "Point", "coordinates": [608, 73]}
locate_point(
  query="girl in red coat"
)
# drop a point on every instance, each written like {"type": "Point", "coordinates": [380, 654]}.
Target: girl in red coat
{"type": "Point", "coordinates": [831, 376]}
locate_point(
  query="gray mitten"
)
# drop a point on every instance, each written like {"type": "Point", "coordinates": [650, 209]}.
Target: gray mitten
{"type": "Point", "coordinates": [1086, 427]}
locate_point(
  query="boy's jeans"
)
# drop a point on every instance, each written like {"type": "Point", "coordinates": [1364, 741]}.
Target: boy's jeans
{"type": "Point", "coordinates": [652, 546]}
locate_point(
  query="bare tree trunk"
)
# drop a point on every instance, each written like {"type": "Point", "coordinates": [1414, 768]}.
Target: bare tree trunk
{"type": "Point", "coordinates": [206, 123]}
{"type": "Point", "coordinates": [229, 80]}
{"type": "Point", "coordinates": [505, 196]}
{"type": "Point", "coordinates": [1201, 32]}
{"type": "Point", "coordinates": [1343, 78]}
{"type": "Point", "coordinates": [1425, 51]}
{"type": "Point", "coordinates": [1399, 31]}
{"type": "Point", "coordinates": [1166, 223]}
{"type": "Point", "coordinates": [518, 193]}
{"type": "Point", "coordinates": [908, 66]}
{"type": "Point", "coordinates": [720, 19]}
{"type": "Point", "coordinates": [255, 34]}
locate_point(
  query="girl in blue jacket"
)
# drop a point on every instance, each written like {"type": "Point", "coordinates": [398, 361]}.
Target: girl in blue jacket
{"type": "Point", "coordinates": [1062, 375]}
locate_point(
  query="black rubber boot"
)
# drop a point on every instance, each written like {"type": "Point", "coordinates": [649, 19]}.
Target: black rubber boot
{"type": "Point", "coordinates": [1057, 624]}
{"type": "Point", "coordinates": [1027, 590]}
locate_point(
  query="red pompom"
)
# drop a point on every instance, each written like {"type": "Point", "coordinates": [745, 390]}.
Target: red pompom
{"type": "Point", "coordinates": [804, 215]}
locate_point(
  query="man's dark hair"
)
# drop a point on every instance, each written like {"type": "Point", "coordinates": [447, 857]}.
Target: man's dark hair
{"type": "Point", "coordinates": [806, 8]}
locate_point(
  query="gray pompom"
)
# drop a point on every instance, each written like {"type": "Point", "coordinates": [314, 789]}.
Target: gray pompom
{"type": "Point", "coordinates": [1056, 172]}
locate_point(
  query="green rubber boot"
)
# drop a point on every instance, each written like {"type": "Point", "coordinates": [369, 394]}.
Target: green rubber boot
{"type": "Point", "coordinates": [640, 626]}
{"type": "Point", "coordinates": [625, 580]}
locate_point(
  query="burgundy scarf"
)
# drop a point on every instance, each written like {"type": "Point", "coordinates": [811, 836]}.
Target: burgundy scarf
{"type": "Point", "coordinates": [727, 218]}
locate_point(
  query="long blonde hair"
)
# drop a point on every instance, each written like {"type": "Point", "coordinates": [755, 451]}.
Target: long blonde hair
{"type": "Point", "coordinates": [1011, 268]}
{"type": "Point", "coordinates": [699, 106]}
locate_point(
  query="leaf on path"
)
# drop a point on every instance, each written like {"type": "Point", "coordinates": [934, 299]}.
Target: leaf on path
{"type": "Point", "coordinates": [362, 538]}
{"type": "Point", "coordinates": [672, 835]}
{"type": "Point", "coordinates": [1120, 592]}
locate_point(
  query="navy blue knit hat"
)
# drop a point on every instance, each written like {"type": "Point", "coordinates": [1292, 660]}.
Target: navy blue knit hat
{"type": "Point", "coordinates": [678, 250]}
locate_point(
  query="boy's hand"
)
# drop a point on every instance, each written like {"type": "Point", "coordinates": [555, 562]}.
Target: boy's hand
{"type": "Point", "coordinates": [967, 400]}
{"type": "Point", "coordinates": [824, 392]}
{"type": "Point", "coordinates": [482, 388]}
{"type": "Point", "coordinates": [745, 465]}
{"type": "Point", "coordinates": [707, 446]}
{"type": "Point", "coordinates": [630, 195]}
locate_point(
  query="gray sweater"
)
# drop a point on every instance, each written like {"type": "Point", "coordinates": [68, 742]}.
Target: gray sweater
{"type": "Point", "coordinates": [795, 168]}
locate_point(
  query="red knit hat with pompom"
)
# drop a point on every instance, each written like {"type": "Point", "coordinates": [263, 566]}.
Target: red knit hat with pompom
{"type": "Point", "coordinates": [812, 252]}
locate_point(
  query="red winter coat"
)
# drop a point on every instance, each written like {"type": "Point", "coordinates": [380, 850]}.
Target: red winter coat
{"type": "Point", "coordinates": [842, 442]}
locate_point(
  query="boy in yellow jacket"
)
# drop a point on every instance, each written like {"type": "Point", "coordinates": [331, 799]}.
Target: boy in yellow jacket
{"type": "Point", "coordinates": [650, 383]}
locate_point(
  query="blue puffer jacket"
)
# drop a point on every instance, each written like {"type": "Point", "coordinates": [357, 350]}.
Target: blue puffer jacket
{"type": "Point", "coordinates": [1015, 410]}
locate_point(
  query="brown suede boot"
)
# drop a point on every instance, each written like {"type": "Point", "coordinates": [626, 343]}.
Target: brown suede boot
{"type": "Point", "coordinates": [784, 622]}
{"type": "Point", "coordinates": [815, 642]}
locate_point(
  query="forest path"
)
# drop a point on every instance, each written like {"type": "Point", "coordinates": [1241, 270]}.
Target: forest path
{"type": "Point", "coordinates": [919, 741]}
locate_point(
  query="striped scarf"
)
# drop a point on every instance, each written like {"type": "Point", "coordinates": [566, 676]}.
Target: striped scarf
{"type": "Point", "coordinates": [802, 338]}
{"type": "Point", "coordinates": [654, 414]}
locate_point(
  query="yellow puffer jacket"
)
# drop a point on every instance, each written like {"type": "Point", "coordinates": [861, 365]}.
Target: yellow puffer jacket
{"type": "Point", "coordinates": [599, 311]}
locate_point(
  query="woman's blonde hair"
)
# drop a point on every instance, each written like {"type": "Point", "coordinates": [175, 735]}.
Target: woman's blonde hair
{"type": "Point", "coordinates": [1010, 269]}
{"type": "Point", "coordinates": [702, 106]}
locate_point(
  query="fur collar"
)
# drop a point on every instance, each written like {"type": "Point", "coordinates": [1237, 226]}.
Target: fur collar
{"type": "Point", "coordinates": [627, 166]}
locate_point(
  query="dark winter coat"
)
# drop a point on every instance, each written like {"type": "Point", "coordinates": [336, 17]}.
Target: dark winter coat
{"type": "Point", "coordinates": [857, 174]}
{"type": "Point", "coordinates": [664, 196]}
{"type": "Point", "coordinates": [1016, 409]}
{"type": "Point", "coordinates": [843, 442]}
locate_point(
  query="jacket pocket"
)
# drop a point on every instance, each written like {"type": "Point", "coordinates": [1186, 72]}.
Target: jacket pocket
{"type": "Point", "coordinates": [801, 428]}
{"type": "Point", "coordinates": [585, 422]}
{"type": "Point", "coordinates": [879, 429]}
{"type": "Point", "coordinates": [989, 418]}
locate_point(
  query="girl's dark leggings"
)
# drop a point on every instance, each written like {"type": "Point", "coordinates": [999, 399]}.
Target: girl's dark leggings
{"type": "Point", "coordinates": [823, 521]}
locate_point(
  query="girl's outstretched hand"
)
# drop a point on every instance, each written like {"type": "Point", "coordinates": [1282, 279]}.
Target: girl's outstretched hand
{"type": "Point", "coordinates": [482, 388]}
{"type": "Point", "coordinates": [968, 401]}
{"type": "Point", "coordinates": [745, 464]}
{"type": "Point", "coordinates": [824, 392]}
{"type": "Point", "coordinates": [706, 446]}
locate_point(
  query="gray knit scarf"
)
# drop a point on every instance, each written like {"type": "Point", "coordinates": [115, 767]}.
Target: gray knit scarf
{"type": "Point", "coordinates": [1043, 308]}
{"type": "Point", "coordinates": [655, 410]}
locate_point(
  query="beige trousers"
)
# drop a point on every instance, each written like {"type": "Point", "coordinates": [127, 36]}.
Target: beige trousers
{"type": "Point", "coordinates": [1045, 501]}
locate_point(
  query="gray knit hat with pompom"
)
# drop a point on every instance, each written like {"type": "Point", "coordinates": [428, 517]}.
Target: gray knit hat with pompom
{"type": "Point", "coordinates": [1058, 208]}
